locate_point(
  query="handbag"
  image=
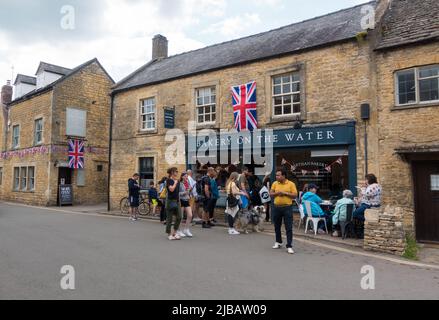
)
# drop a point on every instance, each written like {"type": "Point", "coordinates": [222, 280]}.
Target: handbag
{"type": "Point", "coordinates": [232, 201]}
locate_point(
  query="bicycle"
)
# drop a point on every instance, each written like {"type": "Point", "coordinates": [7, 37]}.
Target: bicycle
{"type": "Point", "coordinates": [145, 207]}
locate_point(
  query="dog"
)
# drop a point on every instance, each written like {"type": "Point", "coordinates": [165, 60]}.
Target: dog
{"type": "Point", "coordinates": [252, 218]}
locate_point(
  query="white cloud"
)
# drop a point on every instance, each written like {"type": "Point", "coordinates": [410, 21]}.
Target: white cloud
{"type": "Point", "coordinates": [235, 26]}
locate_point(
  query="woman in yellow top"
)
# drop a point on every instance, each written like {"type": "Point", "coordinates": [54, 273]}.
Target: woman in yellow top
{"type": "Point", "coordinates": [283, 192]}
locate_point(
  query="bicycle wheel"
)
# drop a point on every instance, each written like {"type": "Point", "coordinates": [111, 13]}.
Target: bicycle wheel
{"type": "Point", "coordinates": [124, 206]}
{"type": "Point", "coordinates": [144, 209]}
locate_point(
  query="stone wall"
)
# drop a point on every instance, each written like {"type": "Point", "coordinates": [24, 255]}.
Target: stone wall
{"type": "Point", "coordinates": [384, 230]}
{"type": "Point", "coordinates": [335, 82]}
{"type": "Point", "coordinates": [88, 90]}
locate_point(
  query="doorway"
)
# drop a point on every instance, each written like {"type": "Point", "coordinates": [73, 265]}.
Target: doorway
{"type": "Point", "coordinates": [64, 178]}
{"type": "Point", "coordinates": [426, 184]}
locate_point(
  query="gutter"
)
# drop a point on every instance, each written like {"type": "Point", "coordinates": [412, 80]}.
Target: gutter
{"type": "Point", "coordinates": [110, 151]}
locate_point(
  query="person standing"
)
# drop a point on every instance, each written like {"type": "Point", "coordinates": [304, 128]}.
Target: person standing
{"type": "Point", "coordinates": [283, 192]}
{"type": "Point", "coordinates": [134, 196]}
{"type": "Point", "coordinates": [233, 197]}
{"type": "Point", "coordinates": [194, 194]}
{"type": "Point", "coordinates": [162, 186]}
{"type": "Point", "coordinates": [153, 197]}
{"type": "Point", "coordinates": [267, 184]}
{"type": "Point", "coordinates": [211, 194]}
{"type": "Point", "coordinates": [185, 199]}
{"type": "Point", "coordinates": [173, 204]}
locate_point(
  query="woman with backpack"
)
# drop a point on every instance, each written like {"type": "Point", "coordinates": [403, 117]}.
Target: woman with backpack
{"type": "Point", "coordinates": [233, 201]}
{"type": "Point", "coordinates": [185, 200]}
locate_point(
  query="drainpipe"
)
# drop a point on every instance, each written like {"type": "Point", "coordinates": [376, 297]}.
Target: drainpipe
{"type": "Point", "coordinates": [110, 151]}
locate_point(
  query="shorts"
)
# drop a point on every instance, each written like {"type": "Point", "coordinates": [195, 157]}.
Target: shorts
{"type": "Point", "coordinates": [185, 204]}
{"type": "Point", "coordinates": [134, 202]}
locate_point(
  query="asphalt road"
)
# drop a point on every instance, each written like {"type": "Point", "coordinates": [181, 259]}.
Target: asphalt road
{"type": "Point", "coordinates": [117, 259]}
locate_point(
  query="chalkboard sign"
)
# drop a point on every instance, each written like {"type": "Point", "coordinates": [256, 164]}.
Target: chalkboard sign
{"type": "Point", "coordinates": [66, 195]}
{"type": "Point", "coordinates": [169, 118]}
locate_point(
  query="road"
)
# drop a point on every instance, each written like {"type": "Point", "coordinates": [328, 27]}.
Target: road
{"type": "Point", "coordinates": [117, 259]}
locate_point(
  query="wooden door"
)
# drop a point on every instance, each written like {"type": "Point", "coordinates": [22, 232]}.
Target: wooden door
{"type": "Point", "coordinates": [426, 183]}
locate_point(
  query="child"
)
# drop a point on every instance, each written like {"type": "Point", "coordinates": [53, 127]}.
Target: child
{"type": "Point", "coordinates": [153, 197]}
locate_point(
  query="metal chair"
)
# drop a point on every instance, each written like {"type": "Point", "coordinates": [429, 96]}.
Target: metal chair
{"type": "Point", "coordinates": [315, 221]}
{"type": "Point", "coordinates": [348, 225]}
{"type": "Point", "coordinates": [302, 213]}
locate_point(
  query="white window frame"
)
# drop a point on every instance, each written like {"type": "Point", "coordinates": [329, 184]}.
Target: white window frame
{"type": "Point", "coordinates": [36, 131]}
{"type": "Point", "coordinates": [282, 94]}
{"type": "Point", "coordinates": [23, 174]}
{"type": "Point", "coordinates": [15, 146]}
{"type": "Point", "coordinates": [144, 113]}
{"type": "Point", "coordinates": [416, 71]}
{"type": "Point", "coordinates": [29, 178]}
{"type": "Point", "coordinates": [15, 185]}
{"type": "Point", "coordinates": [203, 106]}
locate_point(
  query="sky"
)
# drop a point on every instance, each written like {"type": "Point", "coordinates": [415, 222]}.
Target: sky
{"type": "Point", "coordinates": [119, 32]}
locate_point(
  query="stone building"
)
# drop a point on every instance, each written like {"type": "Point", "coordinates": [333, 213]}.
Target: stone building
{"type": "Point", "coordinates": [327, 88]}
{"type": "Point", "coordinates": [48, 110]}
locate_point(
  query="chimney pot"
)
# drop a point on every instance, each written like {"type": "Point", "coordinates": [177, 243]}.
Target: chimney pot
{"type": "Point", "coordinates": [159, 47]}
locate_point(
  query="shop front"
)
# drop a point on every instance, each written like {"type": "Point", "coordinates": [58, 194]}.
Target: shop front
{"type": "Point", "coordinates": [324, 155]}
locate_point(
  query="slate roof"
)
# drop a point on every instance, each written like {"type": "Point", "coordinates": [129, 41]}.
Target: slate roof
{"type": "Point", "coordinates": [331, 28]}
{"type": "Point", "coordinates": [409, 21]}
{"type": "Point", "coordinates": [50, 86]}
{"type": "Point", "coordinates": [53, 69]}
{"type": "Point", "coordinates": [21, 78]}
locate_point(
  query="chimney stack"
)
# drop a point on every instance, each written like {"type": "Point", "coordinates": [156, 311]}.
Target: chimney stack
{"type": "Point", "coordinates": [6, 93]}
{"type": "Point", "coordinates": [6, 98]}
{"type": "Point", "coordinates": [159, 47]}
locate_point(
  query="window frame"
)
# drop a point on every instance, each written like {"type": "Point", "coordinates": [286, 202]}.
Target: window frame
{"type": "Point", "coordinates": [282, 95]}
{"type": "Point", "coordinates": [204, 106]}
{"type": "Point", "coordinates": [37, 143]}
{"type": "Point", "coordinates": [30, 178]}
{"type": "Point", "coordinates": [17, 146]}
{"type": "Point", "coordinates": [20, 174]}
{"type": "Point", "coordinates": [146, 114]}
{"type": "Point", "coordinates": [144, 173]}
{"type": "Point", "coordinates": [418, 101]}
{"type": "Point", "coordinates": [15, 185]}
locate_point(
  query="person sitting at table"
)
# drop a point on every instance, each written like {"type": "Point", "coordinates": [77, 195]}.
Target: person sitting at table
{"type": "Point", "coordinates": [315, 200]}
{"type": "Point", "coordinates": [340, 212]}
{"type": "Point", "coordinates": [371, 197]}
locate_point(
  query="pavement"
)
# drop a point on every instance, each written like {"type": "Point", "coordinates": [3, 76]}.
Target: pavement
{"type": "Point", "coordinates": [117, 259]}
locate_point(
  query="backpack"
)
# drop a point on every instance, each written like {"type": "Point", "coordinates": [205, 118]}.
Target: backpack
{"type": "Point", "coordinates": [200, 188]}
{"type": "Point", "coordinates": [163, 191]}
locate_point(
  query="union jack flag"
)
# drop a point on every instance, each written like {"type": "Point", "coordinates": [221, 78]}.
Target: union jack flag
{"type": "Point", "coordinates": [245, 107]}
{"type": "Point", "coordinates": [76, 154]}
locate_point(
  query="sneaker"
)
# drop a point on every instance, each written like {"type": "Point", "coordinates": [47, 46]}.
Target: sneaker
{"type": "Point", "coordinates": [278, 245]}
{"type": "Point", "coordinates": [233, 232]}
{"type": "Point", "coordinates": [335, 234]}
{"type": "Point", "coordinates": [132, 219]}
{"type": "Point", "coordinates": [211, 224]}
{"type": "Point", "coordinates": [172, 238]}
{"type": "Point", "coordinates": [188, 233]}
{"type": "Point", "coordinates": [206, 226]}
{"type": "Point", "coordinates": [177, 237]}
{"type": "Point", "coordinates": [321, 231]}
{"type": "Point", "coordinates": [290, 251]}
{"type": "Point", "coordinates": [181, 234]}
